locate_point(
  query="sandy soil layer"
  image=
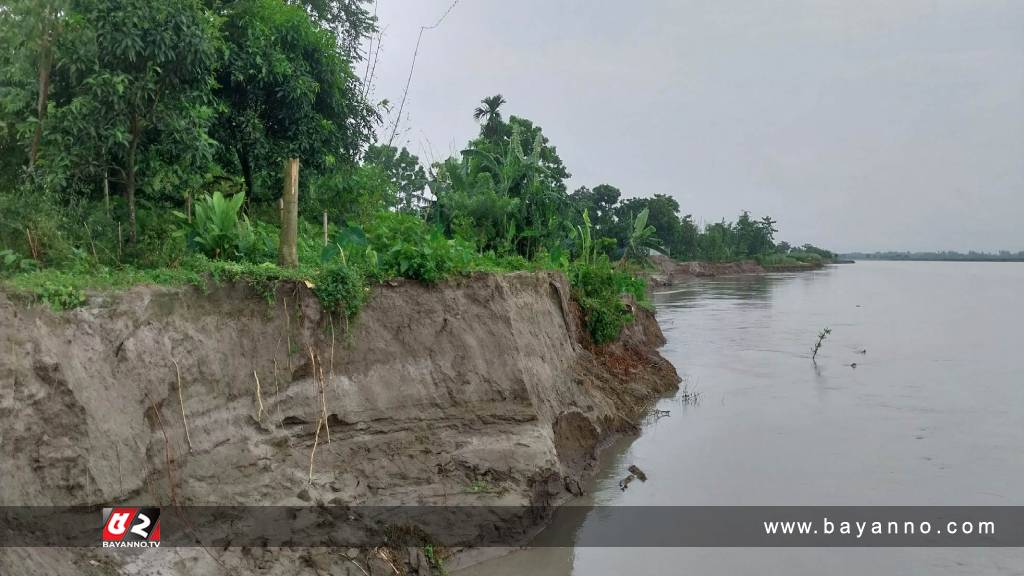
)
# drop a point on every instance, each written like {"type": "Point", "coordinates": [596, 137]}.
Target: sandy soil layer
{"type": "Point", "coordinates": [483, 390]}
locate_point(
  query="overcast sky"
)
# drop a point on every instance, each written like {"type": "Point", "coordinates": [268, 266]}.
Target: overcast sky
{"type": "Point", "coordinates": [858, 125]}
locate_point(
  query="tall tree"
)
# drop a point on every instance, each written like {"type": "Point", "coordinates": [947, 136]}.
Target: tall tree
{"type": "Point", "coordinates": [289, 91]}
{"type": "Point", "coordinates": [349, 20]}
{"type": "Point", "coordinates": [405, 172]}
{"type": "Point", "coordinates": [664, 217]}
{"type": "Point", "coordinates": [490, 115]}
{"type": "Point", "coordinates": [143, 70]}
{"type": "Point", "coordinates": [29, 30]}
{"type": "Point", "coordinates": [51, 14]}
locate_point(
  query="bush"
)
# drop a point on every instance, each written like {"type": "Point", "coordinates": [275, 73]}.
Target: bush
{"type": "Point", "coordinates": [807, 257]}
{"type": "Point", "coordinates": [598, 288]}
{"type": "Point", "coordinates": [216, 230]}
{"type": "Point", "coordinates": [11, 262]}
{"type": "Point", "coordinates": [340, 289]}
{"type": "Point", "coordinates": [402, 245]}
{"type": "Point", "coordinates": [31, 221]}
{"type": "Point", "coordinates": [61, 297]}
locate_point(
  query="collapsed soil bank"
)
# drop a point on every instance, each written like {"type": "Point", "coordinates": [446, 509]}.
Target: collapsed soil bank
{"type": "Point", "coordinates": [667, 271]}
{"type": "Point", "coordinates": [479, 390]}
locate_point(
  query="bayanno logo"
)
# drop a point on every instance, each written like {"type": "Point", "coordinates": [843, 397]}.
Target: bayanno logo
{"type": "Point", "coordinates": [131, 527]}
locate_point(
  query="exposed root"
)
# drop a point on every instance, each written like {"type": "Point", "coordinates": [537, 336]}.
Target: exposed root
{"type": "Point", "coordinates": [331, 318]}
{"type": "Point", "coordinates": [288, 333]}
{"type": "Point", "coordinates": [259, 397]}
{"type": "Point", "coordinates": [181, 402]}
{"type": "Point", "coordinates": [386, 554]}
{"type": "Point", "coordinates": [353, 561]}
{"type": "Point", "coordinates": [323, 403]}
{"type": "Point", "coordinates": [316, 440]}
{"type": "Point", "coordinates": [321, 389]}
{"type": "Point", "coordinates": [168, 455]}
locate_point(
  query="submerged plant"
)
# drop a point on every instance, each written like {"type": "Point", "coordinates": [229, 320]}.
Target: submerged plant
{"type": "Point", "coordinates": [817, 345]}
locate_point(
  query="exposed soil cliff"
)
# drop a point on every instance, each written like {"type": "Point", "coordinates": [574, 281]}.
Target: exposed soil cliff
{"type": "Point", "coordinates": [668, 271]}
{"type": "Point", "coordinates": [480, 390]}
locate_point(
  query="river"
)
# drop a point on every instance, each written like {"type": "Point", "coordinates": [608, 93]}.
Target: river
{"type": "Point", "coordinates": [932, 414]}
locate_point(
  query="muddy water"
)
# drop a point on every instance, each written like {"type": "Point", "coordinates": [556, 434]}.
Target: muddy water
{"type": "Point", "coordinates": [932, 414]}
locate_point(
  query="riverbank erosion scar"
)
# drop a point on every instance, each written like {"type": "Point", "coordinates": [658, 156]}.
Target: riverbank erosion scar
{"type": "Point", "coordinates": [482, 390]}
{"type": "Point", "coordinates": [667, 272]}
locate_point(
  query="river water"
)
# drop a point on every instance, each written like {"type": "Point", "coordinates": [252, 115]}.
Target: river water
{"type": "Point", "coordinates": [932, 414]}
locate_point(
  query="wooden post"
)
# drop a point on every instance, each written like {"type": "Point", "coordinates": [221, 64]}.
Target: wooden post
{"type": "Point", "coordinates": [287, 254]}
{"type": "Point", "coordinates": [106, 192]}
{"type": "Point", "coordinates": [325, 227]}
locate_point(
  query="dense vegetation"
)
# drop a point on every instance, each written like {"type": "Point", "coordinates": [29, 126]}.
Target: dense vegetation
{"type": "Point", "coordinates": [950, 256]}
{"type": "Point", "coordinates": [145, 141]}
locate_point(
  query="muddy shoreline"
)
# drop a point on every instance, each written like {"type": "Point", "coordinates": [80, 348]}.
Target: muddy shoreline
{"type": "Point", "coordinates": [480, 391]}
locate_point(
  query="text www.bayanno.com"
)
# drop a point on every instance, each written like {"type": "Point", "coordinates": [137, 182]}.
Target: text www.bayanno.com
{"type": "Point", "coordinates": [862, 528]}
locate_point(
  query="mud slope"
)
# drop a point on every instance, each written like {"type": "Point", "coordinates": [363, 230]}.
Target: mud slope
{"type": "Point", "coordinates": [484, 389]}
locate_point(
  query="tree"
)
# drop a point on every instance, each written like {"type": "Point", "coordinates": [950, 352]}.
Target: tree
{"type": "Point", "coordinates": [348, 20]}
{"type": "Point", "coordinates": [511, 188]}
{"type": "Point", "coordinates": [469, 205]}
{"type": "Point", "coordinates": [29, 30]}
{"type": "Point", "coordinates": [144, 72]}
{"type": "Point", "coordinates": [489, 113]}
{"type": "Point", "coordinates": [767, 238]}
{"type": "Point", "coordinates": [664, 216]}
{"type": "Point", "coordinates": [716, 243]}
{"type": "Point", "coordinates": [403, 169]}
{"type": "Point", "coordinates": [600, 204]}
{"type": "Point", "coordinates": [288, 91]}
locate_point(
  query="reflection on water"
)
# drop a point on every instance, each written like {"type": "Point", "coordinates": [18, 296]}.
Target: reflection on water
{"type": "Point", "coordinates": [933, 413]}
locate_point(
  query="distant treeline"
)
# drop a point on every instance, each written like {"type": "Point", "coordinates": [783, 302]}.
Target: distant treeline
{"type": "Point", "coordinates": [948, 255]}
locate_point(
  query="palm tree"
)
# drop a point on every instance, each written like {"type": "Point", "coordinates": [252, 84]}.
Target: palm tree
{"type": "Point", "coordinates": [489, 114]}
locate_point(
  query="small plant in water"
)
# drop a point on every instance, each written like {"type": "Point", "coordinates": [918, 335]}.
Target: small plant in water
{"type": "Point", "coordinates": [817, 345]}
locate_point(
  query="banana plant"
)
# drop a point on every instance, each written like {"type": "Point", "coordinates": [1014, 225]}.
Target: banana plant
{"type": "Point", "coordinates": [584, 236]}
{"type": "Point", "coordinates": [641, 238]}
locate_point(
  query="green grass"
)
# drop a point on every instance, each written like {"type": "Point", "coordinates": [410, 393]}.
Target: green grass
{"type": "Point", "coordinates": [65, 289]}
{"type": "Point", "coordinates": [341, 274]}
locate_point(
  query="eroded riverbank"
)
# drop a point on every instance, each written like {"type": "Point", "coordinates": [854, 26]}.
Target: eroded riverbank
{"type": "Point", "coordinates": [483, 390]}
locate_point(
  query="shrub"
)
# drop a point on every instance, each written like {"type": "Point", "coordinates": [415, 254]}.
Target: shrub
{"type": "Point", "coordinates": [598, 288]}
{"type": "Point", "coordinates": [216, 230]}
{"type": "Point", "coordinates": [11, 261]}
{"type": "Point", "coordinates": [61, 297]}
{"type": "Point", "coordinates": [402, 245]}
{"type": "Point", "coordinates": [807, 257]}
{"type": "Point", "coordinates": [340, 289]}
{"type": "Point", "coordinates": [31, 222]}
